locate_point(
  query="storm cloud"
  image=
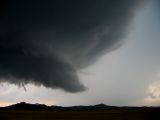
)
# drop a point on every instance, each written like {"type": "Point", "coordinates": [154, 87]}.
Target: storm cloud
{"type": "Point", "coordinates": [45, 42]}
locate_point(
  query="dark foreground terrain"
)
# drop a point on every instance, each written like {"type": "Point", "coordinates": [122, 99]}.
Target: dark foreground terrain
{"type": "Point", "coordinates": [100, 112]}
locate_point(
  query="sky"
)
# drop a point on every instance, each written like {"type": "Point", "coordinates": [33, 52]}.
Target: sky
{"type": "Point", "coordinates": [80, 53]}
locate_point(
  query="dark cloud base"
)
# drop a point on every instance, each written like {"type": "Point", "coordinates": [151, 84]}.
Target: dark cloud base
{"type": "Point", "coordinates": [45, 42]}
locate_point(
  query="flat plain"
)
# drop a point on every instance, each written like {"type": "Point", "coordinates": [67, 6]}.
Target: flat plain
{"type": "Point", "coordinates": [141, 113]}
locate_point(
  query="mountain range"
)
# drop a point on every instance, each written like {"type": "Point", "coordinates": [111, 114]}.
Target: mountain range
{"type": "Point", "coordinates": [43, 107]}
{"type": "Point", "coordinates": [39, 107]}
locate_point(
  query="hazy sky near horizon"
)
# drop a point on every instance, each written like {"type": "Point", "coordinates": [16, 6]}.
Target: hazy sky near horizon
{"type": "Point", "coordinates": [127, 75]}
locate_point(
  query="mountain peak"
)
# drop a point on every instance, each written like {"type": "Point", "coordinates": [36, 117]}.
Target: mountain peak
{"type": "Point", "coordinates": [101, 105]}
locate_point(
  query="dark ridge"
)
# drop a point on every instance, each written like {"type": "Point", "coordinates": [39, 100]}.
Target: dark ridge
{"type": "Point", "coordinates": [43, 107]}
{"type": "Point", "coordinates": [101, 105]}
{"type": "Point", "coordinates": [26, 106]}
{"type": "Point", "coordinates": [39, 107]}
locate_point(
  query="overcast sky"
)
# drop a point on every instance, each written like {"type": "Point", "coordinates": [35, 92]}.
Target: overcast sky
{"type": "Point", "coordinates": [114, 60]}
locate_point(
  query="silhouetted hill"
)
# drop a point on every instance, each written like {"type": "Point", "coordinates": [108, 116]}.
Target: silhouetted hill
{"type": "Point", "coordinates": [43, 107]}
{"type": "Point", "coordinates": [38, 107]}
{"type": "Point", "coordinates": [26, 111]}
{"type": "Point", "coordinates": [26, 106]}
{"type": "Point", "coordinates": [101, 106]}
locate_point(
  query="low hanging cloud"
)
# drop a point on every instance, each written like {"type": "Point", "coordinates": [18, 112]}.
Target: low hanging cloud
{"type": "Point", "coordinates": [153, 96]}
{"type": "Point", "coordinates": [45, 42]}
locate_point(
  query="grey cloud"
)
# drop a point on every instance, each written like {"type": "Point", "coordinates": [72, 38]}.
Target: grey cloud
{"type": "Point", "coordinates": [45, 42]}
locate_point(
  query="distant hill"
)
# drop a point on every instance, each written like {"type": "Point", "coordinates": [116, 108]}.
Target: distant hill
{"type": "Point", "coordinates": [26, 111]}
{"type": "Point", "coordinates": [43, 107]}
{"type": "Point", "coordinates": [39, 107]}
{"type": "Point", "coordinates": [26, 106]}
